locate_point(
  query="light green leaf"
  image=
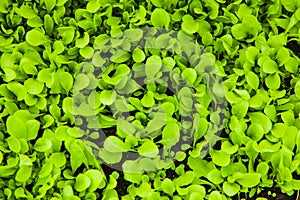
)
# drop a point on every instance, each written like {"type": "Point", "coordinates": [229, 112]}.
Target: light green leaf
{"type": "Point", "coordinates": [262, 119]}
{"type": "Point", "coordinates": [252, 80]}
{"type": "Point", "coordinates": [35, 38]}
{"type": "Point", "coordinates": [160, 18]}
{"type": "Point", "coordinates": [231, 188]}
{"type": "Point", "coordinates": [50, 4]}
{"type": "Point", "coordinates": [148, 100]}
{"type": "Point", "coordinates": [109, 157]}
{"type": "Point", "coordinates": [148, 149]}
{"type": "Point", "coordinates": [93, 6]}
{"type": "Point", "coordinates": [170, 134]}
{"type": "Point", "coordinates": [84, 41]}
{"type": "Point", "coordinates": [108, 97]}
{"type": "Point", "coordinates": [153, 66]}
{"type": "Point", "coordinates": [167, 186]}
{"type": "Point", "coordinates": [270, 66]}
{"type": "Point", "coordinates": [221, 158]}
{"type": "Point", "coordinates": [34, 86]}
{"type": "Point", "coordinates": [215, 176]}
{"type": "Point", "coordinates": [81, 82]}
{"type": "Point", "coordinates": [18, 89]}
{"type": "Point", "coordinates": [120, 56]}
{"type": "Point", "coordinates": [273, 81]}
{"type": "Point", "coordinates": [190, 75]}
{"type": "Point", "coordinates": [249, 179]}
{"type": "Point", "coordinates": [256, 131]}
{"type": "Point", "coordinates": [82, 182]}
{"type": "Point", "coordinates": [138, 55]}
{"type": "Point", "coordinates": [189, 25]}
{"type": "Point", "coordinates": [16, 127]}
{"type": "Point", "coordinates": [240, 109]}
{"type": "Point", "coordinates": [32, 127]}
{"type": "Point", "coordinates": [43, 144]}
{"type": "Point", "coordinates": [27, 12]}
{"type": "Point", "coordinates": [14, 144]}
{"type": "Point", "coordinates": [97, 179]}
{"type": "Point", "coordinates": [114, 144]}
{"type": "Point", "coordinates": [297, 89]}
{"type": "Point", "coordinates": [58, 159]}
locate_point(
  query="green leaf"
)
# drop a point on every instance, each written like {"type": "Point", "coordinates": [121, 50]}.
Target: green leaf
{"type": "Point", "coordinates": [109, 157]}
{"type": "Point", "coordinates": [291, 65]}
{"type": "Point", "coordinates": [231, 188]}
{"type": "Point", "coordinates": [167, 186]}
{"type": "Point", "coordinates": [97, 179]}
{"type": "Point", "coordinates": [221, 158]}
{"type": "Point", "coordinates": [252, 80]}
{"type": "Point", "coordinates": [262, 119]}
{"type": "Point", "coordinates": [266, 146]}
{"type": "Point", "coordinates": [189, 25]}
{"type": "Point", "coordinates": [283, 56]}
{"type": "Point", "coordinates": [249, 179]}
{"type": "Point", "coordinates": [81, 82]}
{"type": "Point", "coordinates": [43, 145]}
{"type": "Point", "coordinates": [14, 144]}
{"type": "Point", "coordinates": [148, 149]}
{"type": "Point", "coordinates": [32, 127]}
{"type": "Point", "coordinates": [190, 75]}
{"type": "Point", "coordinates": [153, 66]}
{"type": "Point", "coordinates": [273, 81]}
{"type": "Point", "coordinates": [270, 66]}
{"type": "Point", "coordinates": [27, 12]}
{"type": "Point", "coordinates": [35, 37]}
{"type": "Point", "coordinates": [297, 89]}
{"type": "Point", "coordinates": [148, 100]}
{"type": "Point", "coordinates": [50, 4]}
{"type": "Point", "coordinates": [93, 6]}
{"type": "Point", "coordinates": [215, 176]}
{"type": "Point", "coordinates": [120, 56]}
{"type": "Point", "coordinates": [229, 148]}
{"type": "Point", "coordinates": [16, 127]}
{"type": "Point", "coordinates": [34, 86]}
{"type": "Point", "coordinates": [66, 81]}
{"type": "Point", "coordinates": [58, 159]}
{"type": "Point", "coordinates": [114, 144]}
{"type": "Point", "coordinates": [215, 195]}
{"type": "Point", "coordinates": [138, 55]}
{"type": "Point", "coordinates": [288, 117]}
{"type": "Point", "coordinates": [108, 97]}
{"type": "Point", "coordinates": [170, 134]}
{"type": "Point", "coordinates": [256, 131]}
{"type": "Point", "coordinates": [67, 34]}
{"type": "Point", "coordinates": [134, 35]}
{"type": "Point", "coordinates": [240, 109]}
{"type": "Point", "coordinates": [84, 41]}
{"type": "Point", "coordinates": [18, 89]}
{"type": "Point", "coordinates": [290, 138]}
{"type": "Point", "coordinates": [160, 18]}
{"type": "Point", "coordinates": [82, 182]}
{"type": "Point", "coordinates": [251, 54]}
{"type": "Point", "coordinates": [24, 172]}
{"type": "Point", "coordinates": [239, 31]}
{"type": "Point", "coordinates": [4, 6]}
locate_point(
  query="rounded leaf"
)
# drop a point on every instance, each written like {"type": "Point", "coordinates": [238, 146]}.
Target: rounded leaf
{"type": "Point", "coordinates": [221, 158]}
{"type": "Point", "coordinates": [160, 18]}
{"type": "Point", "coordinates": [82, 182]}
{"type": "Point", "coordinates": [35, 37]}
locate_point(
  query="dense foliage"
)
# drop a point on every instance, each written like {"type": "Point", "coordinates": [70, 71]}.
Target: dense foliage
{"type": "Point", "coordinates": [155, 99]}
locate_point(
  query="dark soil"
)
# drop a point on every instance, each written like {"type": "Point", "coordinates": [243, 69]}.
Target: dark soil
{"type": "Point", "coordinates": [295, 47]}
{"type": "Point", "coordinates": [122, 185]}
